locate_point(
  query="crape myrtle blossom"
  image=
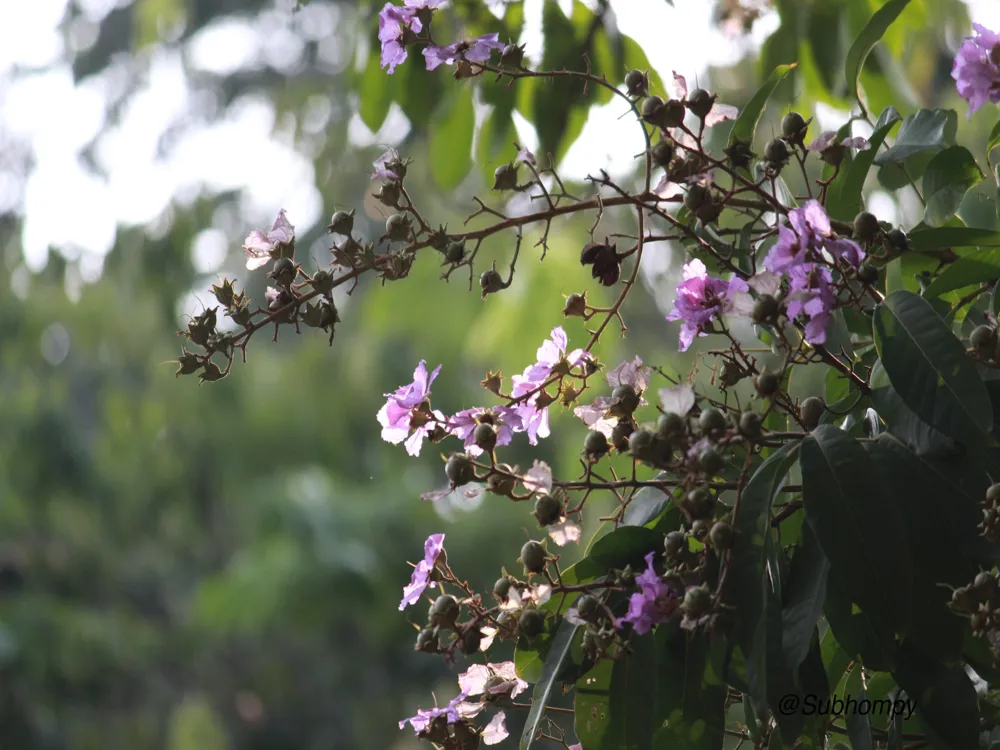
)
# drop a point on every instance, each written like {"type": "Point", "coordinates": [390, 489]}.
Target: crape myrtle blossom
{"type": "Point", "coordinates": [406, 409]}
{"type": "Point", "coordinates": [492, 680]}
{"type": "Point", "coordinates": [387, 166]}
{"type": "Point", "coordinates": [421, 579]}
{"type": "Point", "coordinates": [828, 138]}
{"type": "Point", "coordinates": [632, 373]}
{"type": "Point", "coordinates": [476, 50]}
{"type": "Point", "coordinates": [463, 425]}
{"type": "Point", "coordinates": [811, 295]}
{"type": "Point", "coordinates": [654, 603]}
{"type": "Point", "coordinates": [261, 248]}
{"type": "Point", "coordinates": [396, 26]}
{"type": "Point", "coordinates": [718, 113]}
{"type": "Point", "coordinates": [976, 69]}
{"type": "Point", "coordinates": [456, 710]}
{"type": "Point", "coordinates": [700, 298]}
{"type": "Point", "coordinates": [810, 231]}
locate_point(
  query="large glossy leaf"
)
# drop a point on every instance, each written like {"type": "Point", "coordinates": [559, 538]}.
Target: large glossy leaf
{"type": "Point", "coordinates": [558, 654]}
{"type": "Point", "coordinates": [948, 177]}
{"type": "Point", "coordinates": [645, 505]}
{"type": "Point", "coordinates": [921, 438]}
{"type": "Point", "coordinates": [746, 124]}
{"type": "Point", "coordinates": [857, 631]}
{"type": "Point", "coordinates": [374, 105]}
{"type": "Point", "coordinates": [747, 585]}
{"type": "Point", "coordinates": [844, 197]}
{"type": "Point", "coordinates": [450, 144]}
{"type": "Point", "coordinates": [945, 696]}
{"type": "Point", "coordinates": [690, 700]}
{"type": "Point", "coordinates": [626, 545]}
{"type": "Point", "coordinates": [802, 598]}
{"type": "Point", "coordinates": [974, 268]}
{"type": "Point", "coordinates": [925, 511]}
{"type": "Point", "coordinates": [929, 369]}
{"type": "Point", "coordinates": [922, 131]}
{"type": "Point", "coordinates": [858, 525]}
{"type": "Point", "coordinates": [859, 728]}
{"type": "Point", "coordinates": [993, 142]}
{"type": "Point", "coordinates": [867, 39]}
{"type": "Point", "coordinates": [924, 240]}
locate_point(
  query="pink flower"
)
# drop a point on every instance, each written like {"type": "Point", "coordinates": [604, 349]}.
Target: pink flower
{"type": "Point", "coordinates": [811, 295]}
{"type": "Point", "coordinates": [456, 710]}
{"type": "Point", "coordinates": [261, 248]}
{"type": "Point", "coordinates": [976, 69]}
{"type": "Point", "coordinates": [476, 50]}
{"type": "Point", "coordinates": [654, 602]}
{"type": "Point", "coordinates": [420, 581]}
{"type": "Point", "coordinates": [700, 298]}
{"type": "Point", "coordinates": [463, 425]}
{"type": "Point", "coordinates": [492, 680]}
{"type": "Point", "coordinates": [397, 415]}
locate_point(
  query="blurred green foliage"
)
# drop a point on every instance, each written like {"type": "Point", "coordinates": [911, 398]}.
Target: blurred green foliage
{"type": "Point", "coordinates": [215, 568]}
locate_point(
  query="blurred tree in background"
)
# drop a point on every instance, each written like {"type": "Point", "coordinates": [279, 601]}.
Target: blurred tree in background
{"type": "Point", "coordinates": [218, 568]}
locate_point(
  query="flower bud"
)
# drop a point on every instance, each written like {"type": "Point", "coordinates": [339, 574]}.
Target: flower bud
{"type": "Point", "coordinates": [776, 151]}
{"type": "Point", "coordinates": [626, 401]}
{"type": "Point", "coordinates": [427, 641]}
{"type": "Point", "coordinates": [454, 252]}
{"type": "Point", "coordinates": [794, 128]}
{"type": "Point", "coordinates": [865, 226]}
{"type": "Point", "coordinates": [459, 469]}
{"type": "Point", "coordinates": [711, 461]}
{"type": "Point", "coordinates": [750, 424]}
{"type": "Point", "coordinates": [621, 433]}
{"type": "Point", "coordinates": [731, 373]}
{"type": "Point", "coordinates": [697, 601]}
{"type": "Point", "coordinates": [471, 639]}
{"type": "Point", "coordinates": [897, 239]}
{"type": "Point", "coordinates": [662, 153]}
{"type": "Point", "coordinates": [867, 273]}
{"type": "Point", "coordinates": [511, 56]}
{"type": "Point", "coordinates": [636, 83]}
{"type": "Point", "coordinates": [675, 543]}
{"type": "Point", "coordinates": [595, 445]}
{"type": "Point", "coordinates": [485, 437]}
{"type": "Point", "coordinates": [766, 384]}
{"type": "Point", "coordinates": [506, 626]}
{"type": "Point", "coordinates": [604, 261]}
{"type": "Point", "coordinates": [700, 503]}
{"type": "Point", "coordinates": [548, 510]}
{"type": "Point", "coordinates": [444, 611]}
{"type": "Point", "coordinates": [739, 154]}
{"type": "Point", "coordinates": [505, 177]}
{"type": "Point", "coordinates": [531, 623]}
{"type": "Point", "coordinates": [397, 227]}
{"type": "Point", "coordinates": [533, 557]}
{"type": "Point", "coordinates": [640, 444]}
{"type": "Point", "coordinates": [652, 110]}
{"type": "Point", "coordinates": [811, 411]}
{"type": "Point", "coordinates": [695, 197]}
{"type": "Point", "coordinates": [342, 223]}
{"type": "Point", "coordinates": [700, 102]}
{"type": "Point", "coordinates": [670, 426]}
{"type": "Point", "coordinates": [388, 194]}
{"type": "Point", "coordinates": [673, 113]}
{"type": "Point", "coordinates": [322, 282]}
{"type": "Point", "coordinates": [766, 310]}
{"type": "Point", "coordinates": [712, 422]}
{"type": "Point", "coordinates": [983, 340]}
{"type": "Point", "coordinates": [501, 588]}
{"type": "Point", "coordinates": [576, 306]}
{"type": "Point", "coordinates": [491, 282]}
{"type": "Point", "coordinates": [699, 529]}
{"type": "Point", "coordinates": [722, 535]}
{"type": "Point", "coordinates": [283, 272]}
{"type": "Point", "coordinates": [588, 608]}
{"type": "Point", "coordinates": [993, 493]}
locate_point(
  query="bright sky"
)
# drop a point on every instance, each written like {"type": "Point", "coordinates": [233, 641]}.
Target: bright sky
{"type": "Point", "coordinates": [142, 165]}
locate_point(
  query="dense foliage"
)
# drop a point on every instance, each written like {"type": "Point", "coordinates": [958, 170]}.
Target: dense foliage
{"type": "Point", "coordinates": [777, 569]}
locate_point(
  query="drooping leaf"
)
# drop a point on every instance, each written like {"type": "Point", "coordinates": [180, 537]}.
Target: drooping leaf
{"type": "Point", "coordinates": [746, 124]}
{"type": "Point", "coordinates": [929, 369]}
{"type": "Point", "coordinates": [645, 505]}
{"type": "Point", "coordinates": [558, 654]}
{"type": "Point", "coordinates": [859, 728]}
{"type": "Point", "coordinates": [922, 131]}
{"type": "Point", "coordinates": [802, 598]}
{"type": "Point", "coordinates": [844, 196]}
{"type": "Point", "coordinates": [975, 268]}
{"type": "Point", "coordinates": [948, 177]}
{"type": "Point", "coordinates": [922, 439]}
{"type": "Point", "coordinates": [626, 545]}
{"type": "Point", "coordinates": [867, 39]}
{"type": "Point", "coordinates": [924, 240]}
{"type": "Point", "coordinates": [690, 700]}
{"type": "Point", "coordinates": [858, 525]}
{"type": "Point", "coordinates": [378, 92]}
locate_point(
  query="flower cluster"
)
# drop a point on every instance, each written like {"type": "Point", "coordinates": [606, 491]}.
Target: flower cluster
{"type": "Point", "coordinates": [976, 69]}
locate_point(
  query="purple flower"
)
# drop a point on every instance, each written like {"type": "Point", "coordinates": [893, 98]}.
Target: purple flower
{"type": "Point", "coordinates": [506, 419]}
{"type": "Point", "coordinates": [977, 69]}
{"type": "Point", "coordinates": [810, 230]}
{"type": "Point", "coordinates": [476, 50]}
{"type": "Point", "coordinates": [455, 711]}
{"type": "Point", "coordinates": [701, 298]}
{"type": "Point", "coordinates": [654, 602]}
{"type": "Point", "coordinates": [551, 359]}
{"type": "Point", "coordinates": [828, 138]}
{"type": "Point", "coordinates": [260, 248]}
{"type": "Point", "coordinates": [534, 420]}
{"type": "Point", "coordinates": [382, 166]}
{"type": "Point", "coordinates": [394, 22]}
{"type": "Point", "coordinates": [811, 295]}
{"type": "Point", "coordinates": [421, 578]}
{"type": "Point", "coordinates": [397, 413]}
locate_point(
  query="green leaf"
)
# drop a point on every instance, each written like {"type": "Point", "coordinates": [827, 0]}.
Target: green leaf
{"type": "Point", "coordinates": [746, 124]}
{"type": "Point", "coordinates": [844, 198]}
{"type": "Point", "coordinates": [929, 369]}
{"type": "Point", "coordinates": [974, 268]}
{"type": "Point", "coordinates": [378, 89]}
{"type": "Point", "coordinates": [993, 142]}
{"type": "Point", "coordinates": [859, 729]}
{"type": "Point", "coordinates": [626, 545]}
{"type": "Point", "coordinates": [924, 130]}
{"type": "Point", "coordinates": [418, 92]}
{"type": "Point", "coordinates": [194, 723]}
{"type": "Point", "coordinates": [802, 599]}
{"type": "Point", "coordinates": [647, 504]}
{"type": "Point", "coordinates": [558, 654]}
{"type": "Point", "coordinates": [945, 696]}
{"type": "Point", "coordinates": [635, 59]}
{"type": "Point", "coordinates": [690, 700]}
{"type": "Point", "coordinates": [925, 240]}
{"type": "Point", "coordinates": [858, 525]}
{"type": "Point", "coordinates": [867, 39]}
{"type": "Point", "coordinates": [857, 631]}
{"type": "Point", "coordinates": [949, 176]}
{"type": "Point", "coordinates": [450, 146]}
{"type": "Point", "coordinates": [746, 584]}
{"type": "Point", "coordinates": [921, 438]}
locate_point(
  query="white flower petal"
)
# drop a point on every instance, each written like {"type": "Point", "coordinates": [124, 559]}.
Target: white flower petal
{"type": "Point", "coordinates": [496, 730]}
{"type": "Point", "coordinates": [565, 532]}
{"type": "Point", "coordinates": [765, 282]}
{"type": "Point", "coordinates": [489, 634]}
{"type": "Point", "coordinates": [720, 113]}
{"type": "Point", "coordinates": [679, 399]}
{"type": "Point", "coordinates": [539, 478]}
{"type": "Point", "coordinates": [473, 680]}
